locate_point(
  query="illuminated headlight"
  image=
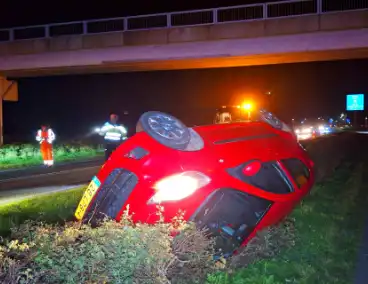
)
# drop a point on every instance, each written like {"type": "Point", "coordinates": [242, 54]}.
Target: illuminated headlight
{"type": "Point", "coordinates": [97, 129]}
{"type": "Point", "coordinates": [321, 128]}
{"type": "Point", "coordinates": [178, 187]}
{"type": "Point", "coordinates": [307, 130]}
{"type": "Point", "coordinates": [297, 131]}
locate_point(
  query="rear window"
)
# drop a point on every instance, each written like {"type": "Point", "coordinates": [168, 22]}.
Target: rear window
{"type": "Point", "coordinates": [269, 178]}
{"type": "Point", "coordinates": [298, 171]}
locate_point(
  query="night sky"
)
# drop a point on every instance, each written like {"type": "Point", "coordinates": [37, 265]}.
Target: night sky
{"type": "Point", "coordinates": [37, 12]}
{"type": "Point", "coordinates": [73, 105]}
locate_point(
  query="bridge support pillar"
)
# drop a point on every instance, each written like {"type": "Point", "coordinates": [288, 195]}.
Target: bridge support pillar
{"type": "Point", "coordinates": [8, 92]}
{"type": "Point", "coordinates": [1, 122]}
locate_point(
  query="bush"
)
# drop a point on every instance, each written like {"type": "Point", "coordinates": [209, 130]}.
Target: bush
{"type": "Point", "coordinates": [112, 253]}
{"type": "Point", "coordinates": [14, 155]}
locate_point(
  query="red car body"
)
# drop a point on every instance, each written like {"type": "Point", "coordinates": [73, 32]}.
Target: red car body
{"type": "Point", "coordinates": [231, 158]}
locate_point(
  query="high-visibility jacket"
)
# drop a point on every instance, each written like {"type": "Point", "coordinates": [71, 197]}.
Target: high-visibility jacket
{"type": "Point", "coordinates": [113, 132]}
{"type": "Point", "coordinates": [47, 136]}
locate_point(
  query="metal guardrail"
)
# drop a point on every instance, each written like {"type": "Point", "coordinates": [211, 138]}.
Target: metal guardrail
{"type": "Point", "coordinates": [291, 8]}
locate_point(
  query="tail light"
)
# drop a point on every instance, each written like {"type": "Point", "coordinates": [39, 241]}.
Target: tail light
{"type": "Point", "coordinates": [252, 168]}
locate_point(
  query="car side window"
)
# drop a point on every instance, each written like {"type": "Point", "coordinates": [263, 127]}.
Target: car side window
{"type": "Point", "coordinates": [298, 171]}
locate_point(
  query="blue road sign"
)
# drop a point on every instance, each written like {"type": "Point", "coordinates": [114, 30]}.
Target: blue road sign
{"type": "Point", "coordinates": [354, 102]}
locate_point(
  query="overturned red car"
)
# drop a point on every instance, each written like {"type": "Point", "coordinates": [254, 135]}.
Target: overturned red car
{"type": "Point", "coordinates": [234, 179]}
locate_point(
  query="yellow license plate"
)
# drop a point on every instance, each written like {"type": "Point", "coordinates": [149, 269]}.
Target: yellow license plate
{"type": "Point", "coordinates": [87, 197]}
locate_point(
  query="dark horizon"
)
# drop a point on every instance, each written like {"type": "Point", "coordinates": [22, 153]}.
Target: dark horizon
{"type": "Point", "coordinates": [69, 11]}
{"type": "Point", "coordinates": [74, 104]}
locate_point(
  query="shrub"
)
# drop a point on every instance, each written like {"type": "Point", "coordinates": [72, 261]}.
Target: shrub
{"type": "Point", "coordinates": [112, 253]}
{"type": "Point", "coordinates": [28, 154]}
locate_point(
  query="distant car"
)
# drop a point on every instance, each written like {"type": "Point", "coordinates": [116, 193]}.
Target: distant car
{"type": "Point", "coordinates": [304, 132]}
{"type": "Point", "coordinates": [232, 178]}
{"type": "Point", "coordinates": [312, 129]}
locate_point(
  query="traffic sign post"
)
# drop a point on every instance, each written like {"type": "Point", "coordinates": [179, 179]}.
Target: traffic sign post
{"type": "Point", "coordinates": [8, 92]}
{"type": "Point", "coordinates": [355, 103]}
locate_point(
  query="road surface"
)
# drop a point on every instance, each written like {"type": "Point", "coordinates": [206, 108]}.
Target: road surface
{"type": "Point", "coordinates": [63, 174]}
{"type": "Point", "coordinates": [9, 196]}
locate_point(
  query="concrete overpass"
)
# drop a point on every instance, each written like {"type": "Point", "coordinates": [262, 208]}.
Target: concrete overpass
{"type": "Point", "coordinates": [280, 32]}
{"type": "Point", "coordinates": [272, 33]}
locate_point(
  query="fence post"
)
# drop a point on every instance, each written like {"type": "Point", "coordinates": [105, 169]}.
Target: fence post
{"type": "Point", "coordinates": [319, 7]}
{"type": "Point", "coordinates": [11, 34]}
{"type": "Point", "coordinates": [215, 16]}
{"type": "Point", "coordinates": [125, 24]}
{"type": "Point", "coordinates": [265, 11]}
{"type": "Point", "coordinates": [47, 31]}
{"type": "Point", "coordinates": [168, 20]}
{"type": "Point", "coordinates": [85, 28]}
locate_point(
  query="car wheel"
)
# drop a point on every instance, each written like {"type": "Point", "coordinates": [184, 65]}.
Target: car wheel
{"type": "Point", "coordinates": [270, 119]}
{"type": "Point", "coordinates": [165, 128]}
{"type": "Point", "coordinates": [111, 197]}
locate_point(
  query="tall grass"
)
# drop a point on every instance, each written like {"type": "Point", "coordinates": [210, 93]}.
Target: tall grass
{"type": "Point", "coordinates": [17, 155]}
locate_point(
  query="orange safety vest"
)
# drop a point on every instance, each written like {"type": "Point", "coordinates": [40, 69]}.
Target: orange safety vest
{"type": "Point", "coordinates": [46, 138]}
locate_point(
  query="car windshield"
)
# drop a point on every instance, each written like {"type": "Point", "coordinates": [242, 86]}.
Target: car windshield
{"type": "Point", "coordinates": [231, 114]}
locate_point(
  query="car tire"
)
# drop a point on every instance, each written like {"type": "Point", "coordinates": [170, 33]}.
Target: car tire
{"type": "Point", "coordinates": [111, 198]}
{"type": "Point", "coordinates": [165, 129]}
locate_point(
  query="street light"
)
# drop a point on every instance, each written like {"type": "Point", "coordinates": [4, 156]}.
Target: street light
{"type": "Point", "coordinates": [248, 107]}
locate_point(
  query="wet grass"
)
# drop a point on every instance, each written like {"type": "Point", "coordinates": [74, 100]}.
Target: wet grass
{"type": "Point", "coordinates": [328, 225]}
{"type": "Point", "coordinates": [52, 208]}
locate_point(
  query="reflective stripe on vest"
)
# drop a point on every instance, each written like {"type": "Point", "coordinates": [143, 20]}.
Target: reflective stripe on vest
{"type": "Point", "coordinates": [113, 132]}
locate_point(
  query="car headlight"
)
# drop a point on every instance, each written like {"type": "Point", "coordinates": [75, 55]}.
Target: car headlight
{"type": "Point", "coordinates": [321, 128]}
{"type": "Point", "coordinates": [177, 187]}
{"type": "Point", "coordinates": [307, 130]}
{"type": "Point", "coordinates": [297, 131]}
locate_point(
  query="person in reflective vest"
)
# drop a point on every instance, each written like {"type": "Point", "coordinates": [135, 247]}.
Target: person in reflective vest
{"type": "Point", "coordinates": [113, 134]}
{"type": "Point", "coordinates": [45, 136]}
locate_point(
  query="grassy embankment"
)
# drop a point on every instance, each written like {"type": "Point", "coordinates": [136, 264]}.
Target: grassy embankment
{"type": "Point", "coordinates": [13, 156]}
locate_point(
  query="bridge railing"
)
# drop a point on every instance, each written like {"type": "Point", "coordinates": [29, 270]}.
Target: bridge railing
{"type": "Point", "coordinates": [291, 8]}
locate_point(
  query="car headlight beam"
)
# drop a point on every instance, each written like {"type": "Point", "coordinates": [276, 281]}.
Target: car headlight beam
{"type": "Point", "coordinates": [178, 187]}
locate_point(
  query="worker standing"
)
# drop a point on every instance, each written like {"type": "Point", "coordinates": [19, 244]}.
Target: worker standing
{"type": "Point", "coordinates": [46, 136]}
{"type": "Point", "coordinates": [113, 134]}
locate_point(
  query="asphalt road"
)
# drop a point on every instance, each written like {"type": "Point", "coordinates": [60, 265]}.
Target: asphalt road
{"type": "Point", "coordinates": [62, 174]}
